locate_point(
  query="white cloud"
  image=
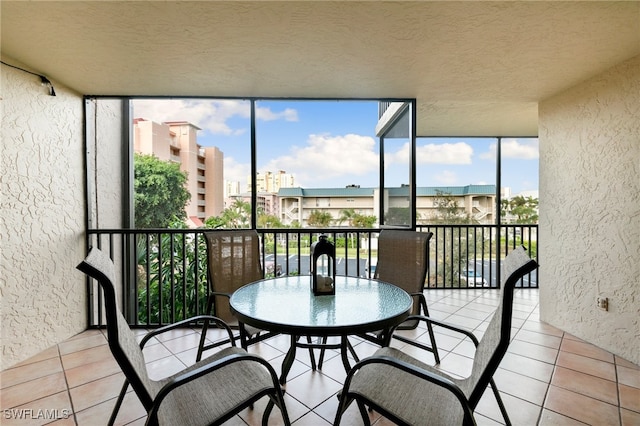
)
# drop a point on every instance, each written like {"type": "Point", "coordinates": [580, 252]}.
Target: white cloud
{"type": "Point", "coordinates": [265, 114]}
{"type": "Point", "coordinates": [328, 157]}
{"type": "Point", "coordinates": [236, 172]}
{"type": "Point", "coordinates": [516, 148]}
{"type": "Point", "coordinates": [446, 178]}
{"type": "Point", "coordinates": [522, 149]}
{"type": "Point", "coordinates": [446, 153]}
{"type": "Point", "coordinates": [209, 115]}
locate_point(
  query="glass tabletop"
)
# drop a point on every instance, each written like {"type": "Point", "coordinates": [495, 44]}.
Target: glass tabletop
{"type": "Point", "coordinates": [287, 305]}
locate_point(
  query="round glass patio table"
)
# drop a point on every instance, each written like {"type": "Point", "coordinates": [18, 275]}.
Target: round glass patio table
{"type": "Point", "coordinates": [287, 305]}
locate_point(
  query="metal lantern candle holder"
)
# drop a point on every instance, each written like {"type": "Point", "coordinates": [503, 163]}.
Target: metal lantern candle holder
{"type": "Point", "coordinates": [323, 267]}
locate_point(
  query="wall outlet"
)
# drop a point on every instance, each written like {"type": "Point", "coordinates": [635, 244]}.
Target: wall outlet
{"type": "Point", "coordinates": [602, 303]}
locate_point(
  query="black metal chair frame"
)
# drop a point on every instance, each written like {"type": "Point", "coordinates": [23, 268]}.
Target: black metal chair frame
{"type": "Point", "coordinates": [243, 335]}
{"type": "Point", "coordinates": [91, 267]}
{"type": "Point", "coordinates": [468, 404]}
{"type": "Point", "coordinates": [420, 302]}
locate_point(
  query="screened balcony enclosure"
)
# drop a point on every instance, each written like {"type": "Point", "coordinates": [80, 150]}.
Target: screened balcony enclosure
{"type": "Point", "coordinates": [492, 82]}
{"type": "Point", "coordinates": [287, 167]}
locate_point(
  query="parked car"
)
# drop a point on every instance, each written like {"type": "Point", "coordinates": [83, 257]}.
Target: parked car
{"type": "Point", "coordinates": [473, 278]}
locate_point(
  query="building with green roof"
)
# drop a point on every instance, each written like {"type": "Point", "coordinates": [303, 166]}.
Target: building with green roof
{"type": "Point", "coordinates": [477, 202]}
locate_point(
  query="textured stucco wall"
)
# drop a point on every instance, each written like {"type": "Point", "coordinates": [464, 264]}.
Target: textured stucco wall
{"type": "Point", "coordinates": [590, 209]}
{"type": "Point", "coordinates": [42, 232]}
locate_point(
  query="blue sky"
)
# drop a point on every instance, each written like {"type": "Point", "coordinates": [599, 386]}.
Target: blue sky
{"type": "Point", "coordinates": [333, 144]}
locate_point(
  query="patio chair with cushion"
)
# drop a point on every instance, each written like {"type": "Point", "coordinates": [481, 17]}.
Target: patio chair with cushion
{"type": "Point", "coordinates": [233, 260]}
{"type": "Point", "coordinates": [403, 260]}
{"type": "Point", "coordinates": [410, 392]}
{"type": "Point", "coordinates": [208, 392]}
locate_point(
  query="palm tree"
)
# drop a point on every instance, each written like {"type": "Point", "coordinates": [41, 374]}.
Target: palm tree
{"type": "Point", "coordinates": [348, 216]}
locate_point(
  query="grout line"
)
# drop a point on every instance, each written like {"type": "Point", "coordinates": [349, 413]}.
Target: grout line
{"type": "Point", "coordinates": [66, 382]}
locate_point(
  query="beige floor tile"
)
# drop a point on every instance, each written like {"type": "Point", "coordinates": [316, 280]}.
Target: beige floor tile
{"type": "Point", "coordinates": [130, 411]}
{"type": "Point", "coordinates": [27, 372]}
{"type": "Point", "coordinates": [97, 391]}
{"type": "Point", "coordinates": [41, 411]}
{"type": "Point", "coordinates": [485, 421]}
{"type": "Point", "coordinates": [49, 353]}
{"type": "Point", "coordinates": [624, 363]}
{"type": "Point", "coordinates": [520, 412]}
{"type": "Point", "coordinates": [155, 352]}
{"type": "Point", "coordinates": [529, 367]}
{"type": "Point", "coordinates": [628, 376]}
{"type": "Point", "coordinates": [521, 386]}
{"type": "Point", "coordinates": [539, 338]}
{"type": "Point", "coordinates": [585, 349]}
{"type": "Point", "coordinates": [464, 322]}
{"type": "Point", "coordinates": [182, 343]}
{"type": "Point", "coordinates": [629, 398]}
{"type": "Point", "coordinates": [550, 418]}
{"type": "Point", "coordinates": [531, 350]}
{"type": "Point", "coordinates": [465, 348]}
{"type": "Point", "coordinates": [542, 327]}
{"type": "Point", "coordinates": [475, 314]}
{"type": "Point", "coordinates": [587, 365]}
{"type": "Point", "coordinates": [82, 342]}
{"type": "Point", "coordinates": [32, 390]}
{"type": "Point", "coordinates": [312, 388]}
{"type": "Point", "coordinates": [629, 418]}
{"type": "Point", "coordinates": [585, 384]}
{"type": "Point", "coordinates": [89, 372]}
{"type": "Point", "coordinates": [253, 416]}
{"type": "Point", "coordinates": [175, 334]}
{"type": "Point", "coordinates": [86, 356]}
{"type": "Point", "coordinates": [580, 407]}
{"type": "Point", "coordinates": [164, 367]}
{"type": "Point", "coordinates": [456, 365]}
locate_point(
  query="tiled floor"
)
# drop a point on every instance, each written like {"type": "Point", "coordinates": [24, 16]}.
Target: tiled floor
{"type": "Point", "coordinates": [548, 377]}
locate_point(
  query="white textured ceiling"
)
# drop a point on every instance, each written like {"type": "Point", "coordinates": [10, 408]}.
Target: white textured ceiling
{"type": "Point", "coordinates": [476, 68]}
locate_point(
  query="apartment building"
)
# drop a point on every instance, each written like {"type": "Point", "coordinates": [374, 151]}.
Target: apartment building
{"type": "Point", "coordinates": [296, 204]}
{"type": "Point", "coordinates": [177, 141]}
{"type": "Point", "coordinates": [272, 182]}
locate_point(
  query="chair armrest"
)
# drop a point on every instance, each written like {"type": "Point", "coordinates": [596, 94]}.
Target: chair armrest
{"type": "Point", "coordinates": [443, 324]}
{"type": "Point", "coordinates": [185, 322]}
{"type": "Point", "coordinates": [436, 379]}
{"type": "Point", "coordinates": [192, 375]}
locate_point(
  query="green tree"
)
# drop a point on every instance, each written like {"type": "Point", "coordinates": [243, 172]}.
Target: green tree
{"type": "Point", "coordinates": [269, 221]}
{"type": "Point", "coordinates": [397, 216]}
{"type": "Point", "coordinates": [214, 222]}
{"type": "Point", "coordinates": [355, 220]}
{"type": "Point", "coordinates": [363, 221]}
{"type": "Point", "coordinates": [319, 219]}
{"type": "Point", "coordinates": [448, 210]}
{"type": "Point", "coordinates": [347, 215]}
{"type": "Point", "coordinates": [455, 242]}
{"type": "Point", "coordinates": [238, 215]}
{"type": "Point", "coordinates": [172, 282]}
{"type": "Point", "coordinates": [525, 210]}
{"type": "Point", "coordinates": [160, 193]}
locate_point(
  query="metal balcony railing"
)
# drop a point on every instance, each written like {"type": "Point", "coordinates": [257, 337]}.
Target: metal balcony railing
{"type": "Point", "coordinates": [164, 275]}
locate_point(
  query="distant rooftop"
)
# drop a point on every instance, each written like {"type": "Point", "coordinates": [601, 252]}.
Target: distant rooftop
{"type": "Point", "coordinates": [354, 191]}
